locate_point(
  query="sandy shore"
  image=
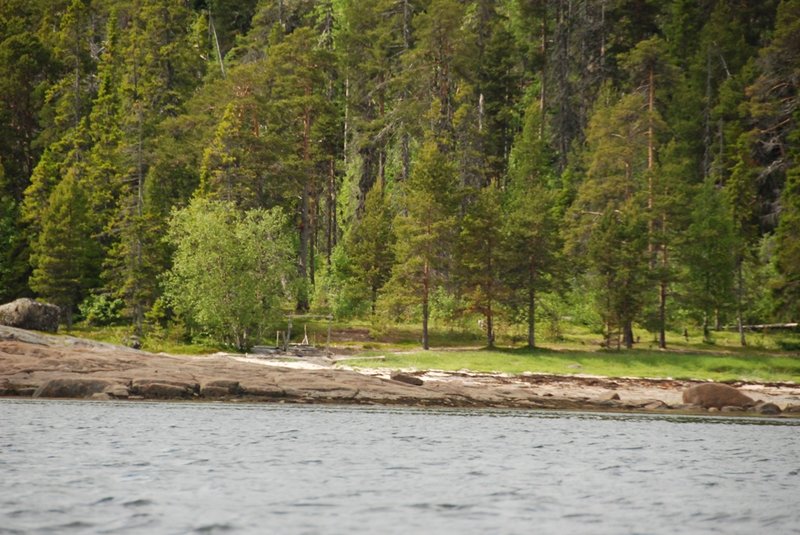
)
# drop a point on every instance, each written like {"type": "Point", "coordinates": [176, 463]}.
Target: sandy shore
{"type": "Point", "coordinates": [44, 366]}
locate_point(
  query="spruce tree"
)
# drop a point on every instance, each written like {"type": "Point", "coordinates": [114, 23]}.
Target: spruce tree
{"type": "Point", "coordinates": [788, 238]}
{"type": "Point", "coordinates": [65, 256]}
{"type": "Point", "coordinates": [650, 67]}
{"type": "Point", "coordinates": [479, 257]}
{"type": "Point", "coordinates": [708, 254]}
{"type": "Point", "coordinates": [157, 72]}
{"type": "Point", "coordinates": [370, 245]}
{"type": "Point", "coordinates": [426, 228]}
{"type": "Point", "coordinates": [531, 239]}
{"type": "Point", "coordinates": [609, 217]}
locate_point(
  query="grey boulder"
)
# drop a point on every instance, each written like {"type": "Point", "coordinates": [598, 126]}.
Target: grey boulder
{"type": "Point", "coordinates": [28, 314]}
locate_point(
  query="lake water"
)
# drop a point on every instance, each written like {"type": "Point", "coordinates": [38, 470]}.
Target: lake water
{"type": "Point", "coordinates": [102, 467]}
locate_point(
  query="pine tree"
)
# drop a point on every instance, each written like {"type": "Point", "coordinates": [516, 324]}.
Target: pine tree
{"type": "Point", "coordinates": [650, 67]}
{"type": "Point", "coordinates": [479, 257]}
{"type": "Point", "coordinates": [371, 48]}
{"type": "Point", "coordinates": [27, 70]}
{"type": "Point", "coordinates": [370, 245]}
{"type": "Point", "coordinates": [436, 62]}
{"type": "Point", "coordinates": [65, 256]}
{"type": "Point", "coordinates": [530, 256]}
{"type": "Point", "coordinates": [788, 240]}
{"type": "Point", "coordinates": [235, 165]}
{"type": "Point", "coordinates": [609, 217]}
{"type": "Point", "coordinates": [157, 72]}
{"type": "Point", "coordinates": [12, 246]}
{"type": "Point", "coordinates": [425, 229]}
{"type": "Point", "coordinates": [707, 253]}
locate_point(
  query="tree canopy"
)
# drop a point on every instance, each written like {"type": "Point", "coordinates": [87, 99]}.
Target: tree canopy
{"type": "Point", "coordinates": [486, 154]}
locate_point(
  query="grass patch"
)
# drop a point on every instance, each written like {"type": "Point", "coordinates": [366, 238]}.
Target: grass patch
{"type": "Point", "coordinates": [769, 357]}
{"type": "Point", "coordinates": [634, 363]}
{"type": "Point", "coordinates": [121, 335]}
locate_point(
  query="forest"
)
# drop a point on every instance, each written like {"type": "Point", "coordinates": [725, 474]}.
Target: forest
{"type": "Point", "coordinates": [211, 165]}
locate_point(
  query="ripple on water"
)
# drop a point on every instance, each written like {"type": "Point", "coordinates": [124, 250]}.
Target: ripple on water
{"type": "Point", "coordinates": [313, 469]}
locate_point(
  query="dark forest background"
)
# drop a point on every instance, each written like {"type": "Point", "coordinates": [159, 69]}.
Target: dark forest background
{"type": "Point", "coordinates": [614, 163]}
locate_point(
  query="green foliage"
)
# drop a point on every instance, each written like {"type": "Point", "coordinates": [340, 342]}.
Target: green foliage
{"type": "Point", "coordinates": [340, 290]}
{"type": "Point", "coordinates": [425, 229]}
{"type": "Point", "coordinates": [65, 257]}
{"type": "Point", "coordinates": [431, 156]}
{"type": "Point", "coordinates": [638, 363]}
{"type": "Point", "coordinates": [230, 271]}
{"type": "Point", "coordinates": [788, 244]}
{"type": "Point", "coordinates": [609, 217]}
{"type": "Point", "coordinates": [370, 247]}
{"type": "Point", "coordinates": [101, 309]}
{"type": "Point", "coordinates": [530, 259]}
{"type": "Point", "coordinates": [12, 246]}
{"type": "Point", "coordinates": [708, 254]}
{"type": "Point", "coordinates": [480, 250]}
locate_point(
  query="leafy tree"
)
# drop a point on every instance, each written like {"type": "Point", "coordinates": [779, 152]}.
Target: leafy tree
{"type": "Point", "coordinates": [229, 269]}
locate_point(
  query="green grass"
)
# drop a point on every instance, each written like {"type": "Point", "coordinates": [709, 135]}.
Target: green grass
{"type": "Point", "coordinates": [121, 335]}
{"type": "Point", "coordinates": [634, 363]}
{"type": "Point", "coordinates": [767, 358]}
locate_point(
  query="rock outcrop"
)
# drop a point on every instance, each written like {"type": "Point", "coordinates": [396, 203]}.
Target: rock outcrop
{"type": "Point", "coordinates": [406, 378]}
{"type": "Point", "coordinates": [71, 388]}
{"type": "Point", "coordinates": [29, 314]}
{"type": "Point", "coordinates": [48, 366]}
{"type": "Point", "coordinates": [708, 395]}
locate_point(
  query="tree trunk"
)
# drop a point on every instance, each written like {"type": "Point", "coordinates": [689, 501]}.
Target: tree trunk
{"type": "Point", "coordinates": [739, 298]}
{"type": "Point", "coordinates": [662, 299]}
{"type": "Point", "coordinates": [305, 229]}
{"type": "Point", "coordinates": [531, 312]}
{"type": "Point", "coordinates": [406, 157]}
{"type": "Point", "coordinates": [531, 319]}
{"type": "Point", "coordinates": [305, 219]}
{"type": "Point", "coordinates": [346, 125]}
{"type": "Point", "coordinates": [331, 210]}
{"type": "Point", "coordinates": [489, 329]}
{"type": "Point", "coordinates": [662, 315]}
{"type": "Point", "coordinates": [425, 311]}
{"type": "Point", "coordinates": [312, 240]}
{"type": "Point", "coordinates": [628, 334]}
{"type": "Point", "coordinates": [543, 82]}
{"type": "Point", "coordinates": [650, 165]}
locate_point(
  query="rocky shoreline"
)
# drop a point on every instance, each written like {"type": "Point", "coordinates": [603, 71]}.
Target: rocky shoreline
{"type": "Point", "coordinates": [36, 365]}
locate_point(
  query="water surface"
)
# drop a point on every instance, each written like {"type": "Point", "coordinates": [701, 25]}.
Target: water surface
{"type": "Point", "coordinates": [86, 467]}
